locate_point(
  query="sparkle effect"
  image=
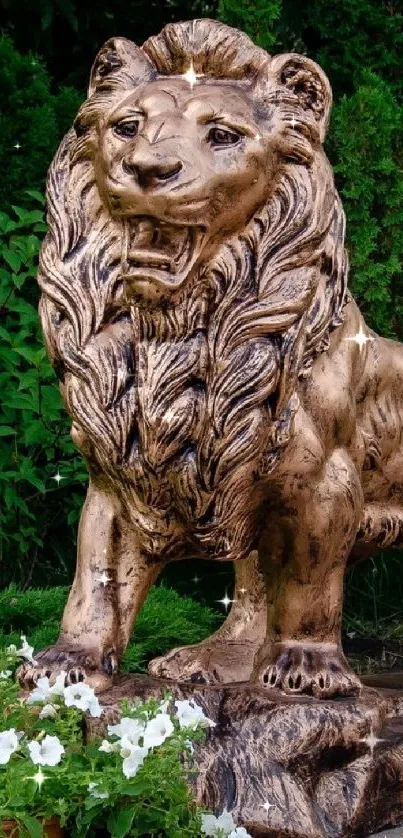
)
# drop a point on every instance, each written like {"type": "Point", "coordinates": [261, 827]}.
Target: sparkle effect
{"type": "Point", "coordinates": [17, 146]}
{"type": "Point", "coordinates": [242, 590]}
{"type": "Point", "coordinates": [226, 601]}
{"type": "Point", "coordinates": [190, 76]}
{"type": "Point", "coordinates": [104, 579]}
{"type": "Point", "coordinates": [360, 338]}
{"type": "Point", "coordinates": [371, 741]}
{"type": "Point", "coordinates": [195, 579]}
{"type": "Point", "coordinates": [293, 122]}
{"type": "Point", "coordinates": [58, 477]}
{"type": "Point", "coordinates": [266, 806]}
{"type": "Point", "coordinates": [39, 778]}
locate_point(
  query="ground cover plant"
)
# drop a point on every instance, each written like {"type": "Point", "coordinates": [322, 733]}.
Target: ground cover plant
{"type": "Point", "coordinates": [45, 55]}
{"type": "Point", "coordinates": [166, 620]}
{"type": "Point", "coordinates": [135, 781]}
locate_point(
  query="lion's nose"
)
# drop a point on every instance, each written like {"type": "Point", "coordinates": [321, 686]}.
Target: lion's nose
{"type": "Point", "coordinates": [150, 170]}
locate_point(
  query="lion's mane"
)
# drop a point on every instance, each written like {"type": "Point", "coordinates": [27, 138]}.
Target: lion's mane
{"type": "Point", "coordinates": [259, 314]}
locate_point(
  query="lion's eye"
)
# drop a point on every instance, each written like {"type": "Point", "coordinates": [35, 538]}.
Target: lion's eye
{"type": "Point", "coordinates": [129, 128]}
{"type": "Point", "coordinates": [221, 136]}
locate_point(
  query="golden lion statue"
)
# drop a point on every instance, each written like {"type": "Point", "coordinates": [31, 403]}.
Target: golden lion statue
{"type": "Point", "coordinates": [223, 387]}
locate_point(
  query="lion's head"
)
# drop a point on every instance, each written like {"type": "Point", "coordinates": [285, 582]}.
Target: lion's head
{"type": "Point", "coordinates": [188, 137]}
{"type": "Point", "coordinates": [195, 230]}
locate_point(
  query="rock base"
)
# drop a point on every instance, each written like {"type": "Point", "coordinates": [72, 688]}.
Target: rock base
{"type": "Point", "coordinates": [290, 767]}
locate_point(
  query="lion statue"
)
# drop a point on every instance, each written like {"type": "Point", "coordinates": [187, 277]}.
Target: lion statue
{"type": "Point", "coordinates": [228, 398]}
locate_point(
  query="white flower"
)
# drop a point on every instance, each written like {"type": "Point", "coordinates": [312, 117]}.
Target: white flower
{"type": "Point", "coordinates": [47, 752]}
{"type": "Point", "coordinates": [59, 685]}
{"type": "Point", "coordinates": [131, 729]}
{"type": "Point", "coordinates": [239, 832]}
{"type": "Point", "coordinates": [99, 795]}
{"type": "Point", "coordinates": [26, 650]}
{"type": "Point", "coordinates": [190, 746]}
{"type": "Point", "coordinates": [164, 705]}
{"type": "Point", "coordinates": [133, 761]}
{"type": "Point", "coordinates": [11, 650]}
{"type": "Point", "coordinates": [191, 715]}
{"type": "Point", "coordinates": [8, 745]}
{"type": "Point", "coordinates": [4, 674]}
{"type": "Point", "coordinates": [82, 696]}
{"type": "Point", "coordinates": [48, 712]}
{"type": "Point", "coordinates": [109, 747]}
{"type": "Point", "coordinates": [211, 825]}
{"type": "Point", "coordinates": [43, 691]}
{"type": "Point", "coordinates": [157, 730]}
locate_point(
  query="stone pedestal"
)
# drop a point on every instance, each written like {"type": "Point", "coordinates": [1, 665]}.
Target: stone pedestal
{"type": "Point", "coordinates": [291, 767]}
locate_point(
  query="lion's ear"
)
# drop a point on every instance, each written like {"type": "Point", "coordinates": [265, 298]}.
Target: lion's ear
{"type": "Point", "coordinates": [123, 57]}
{"type": "Point", "coordinates": [307, 81]}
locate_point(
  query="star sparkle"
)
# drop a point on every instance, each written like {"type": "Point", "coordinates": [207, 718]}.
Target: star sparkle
{"type": "Point", "coordinates": [104, 579]}
{"type": "Point", "coordinates": [17, 146]}
{"type": "Point", "coordinates": [190, 76]}
{"type": "Point", "coordinates": [39, 777]}
{"type": "Point", "coordinates": [58, 477]}
{"type": "Point", "coordinates": [267, 806]}
{"type": "Point", "coordinates": [371, 741]}
{"type": "Point", "coordinates": [360, 338]}
{"type": "Point", "coordinates": [242, 590]}
{"type": "Point", "coordinates": [293, 122]}
{"type": "Point", "coordinates": [225, 601]}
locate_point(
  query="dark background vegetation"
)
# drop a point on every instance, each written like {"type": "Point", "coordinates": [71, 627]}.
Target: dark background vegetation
{"type": "Point", "coordinates": [46, 50]}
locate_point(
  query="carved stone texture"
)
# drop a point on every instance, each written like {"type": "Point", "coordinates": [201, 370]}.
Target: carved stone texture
{"type": "Point", "coordinates": [224, 389]}
{"type": "Point", "coordinates": [290, 767]}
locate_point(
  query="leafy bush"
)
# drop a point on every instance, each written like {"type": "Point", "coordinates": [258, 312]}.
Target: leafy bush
{"type": "Point", "coordinates": [134, 782]}
{"type": "Point", "coordinates": [365, 145]}
{"type": "Point", "coordinates": [166, 620]}
{"type": "Point", "coordinates": [32, 122]}
{"type": "Point", "coordinates": [35, 444]}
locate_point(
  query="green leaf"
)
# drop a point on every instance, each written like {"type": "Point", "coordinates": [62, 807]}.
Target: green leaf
{"type": "Point", "coordinates": [134, 788]}
{"type": "Point", "coordinates": [37, 196]}
{"type": "Point", "coordinates": [11, 258]}
{"type": "Point", "coordinates": [33, 827]}
{"type": "Point", "coordinates": [119, 822]}
{"type": "Point", "coordinates": [5, 430]}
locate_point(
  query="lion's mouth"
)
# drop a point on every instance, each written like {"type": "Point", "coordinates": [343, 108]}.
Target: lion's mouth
{"type": "Point", "coordinates": [159, 254]}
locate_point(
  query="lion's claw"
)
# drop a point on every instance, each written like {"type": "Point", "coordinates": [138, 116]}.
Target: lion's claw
{"type": "Point", "coordinates": [77, 663]}
{"type": "Point", "coordinates": [312, 669]}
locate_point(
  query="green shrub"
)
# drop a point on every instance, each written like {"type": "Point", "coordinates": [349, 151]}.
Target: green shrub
{"type": "Point", "coordinates": [166, 620]}
{"type": "Point", "coordinates": [35, 443]}
{"type": "Point", "coordinates": [365, 145]}
{"type": "Point", "coordinates": [33, 121]}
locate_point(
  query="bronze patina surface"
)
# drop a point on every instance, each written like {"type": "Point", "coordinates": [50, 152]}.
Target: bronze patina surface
{"type": "Point", "coordinates": [288, 767]}
{"type": "Point", "coordinates": [228, 397]}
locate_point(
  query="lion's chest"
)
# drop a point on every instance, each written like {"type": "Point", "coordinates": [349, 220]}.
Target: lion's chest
{"type": "Point", "coordinates": [185, 468]}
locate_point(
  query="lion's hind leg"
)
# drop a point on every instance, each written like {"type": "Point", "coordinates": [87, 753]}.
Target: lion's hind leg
{"type": "Point", "coordinates": [227, 656]}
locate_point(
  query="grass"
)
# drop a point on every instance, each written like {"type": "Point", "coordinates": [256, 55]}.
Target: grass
{"type": "Point", "coordinates": [166, 620]}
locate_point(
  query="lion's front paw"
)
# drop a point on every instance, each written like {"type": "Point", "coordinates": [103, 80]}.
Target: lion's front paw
{"type": "Point", "coordinates": [210, 662]}
{"type": "Point", "coordinates": [317, 669]}
{"type": "Point", "coordinates": [78, 663]}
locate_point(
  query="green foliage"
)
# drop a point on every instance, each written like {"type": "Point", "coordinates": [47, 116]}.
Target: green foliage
{"type": "Point", "coordinates": [349, 36]}
{"type": "Point", "coordinates": [84, 785]}
{"type": "Point", "coordinates": [35, 441]}
{"type": "Point", "coordinates": [366, 146]}
{"type": "Point", "coordinates": [166, 620]}
{"type": "Point", "coordinates": [258, 18]}
{"type": "Point", "coordinates": [32, 122]}
{"type": "Point", "coordinates": [68, 33]}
